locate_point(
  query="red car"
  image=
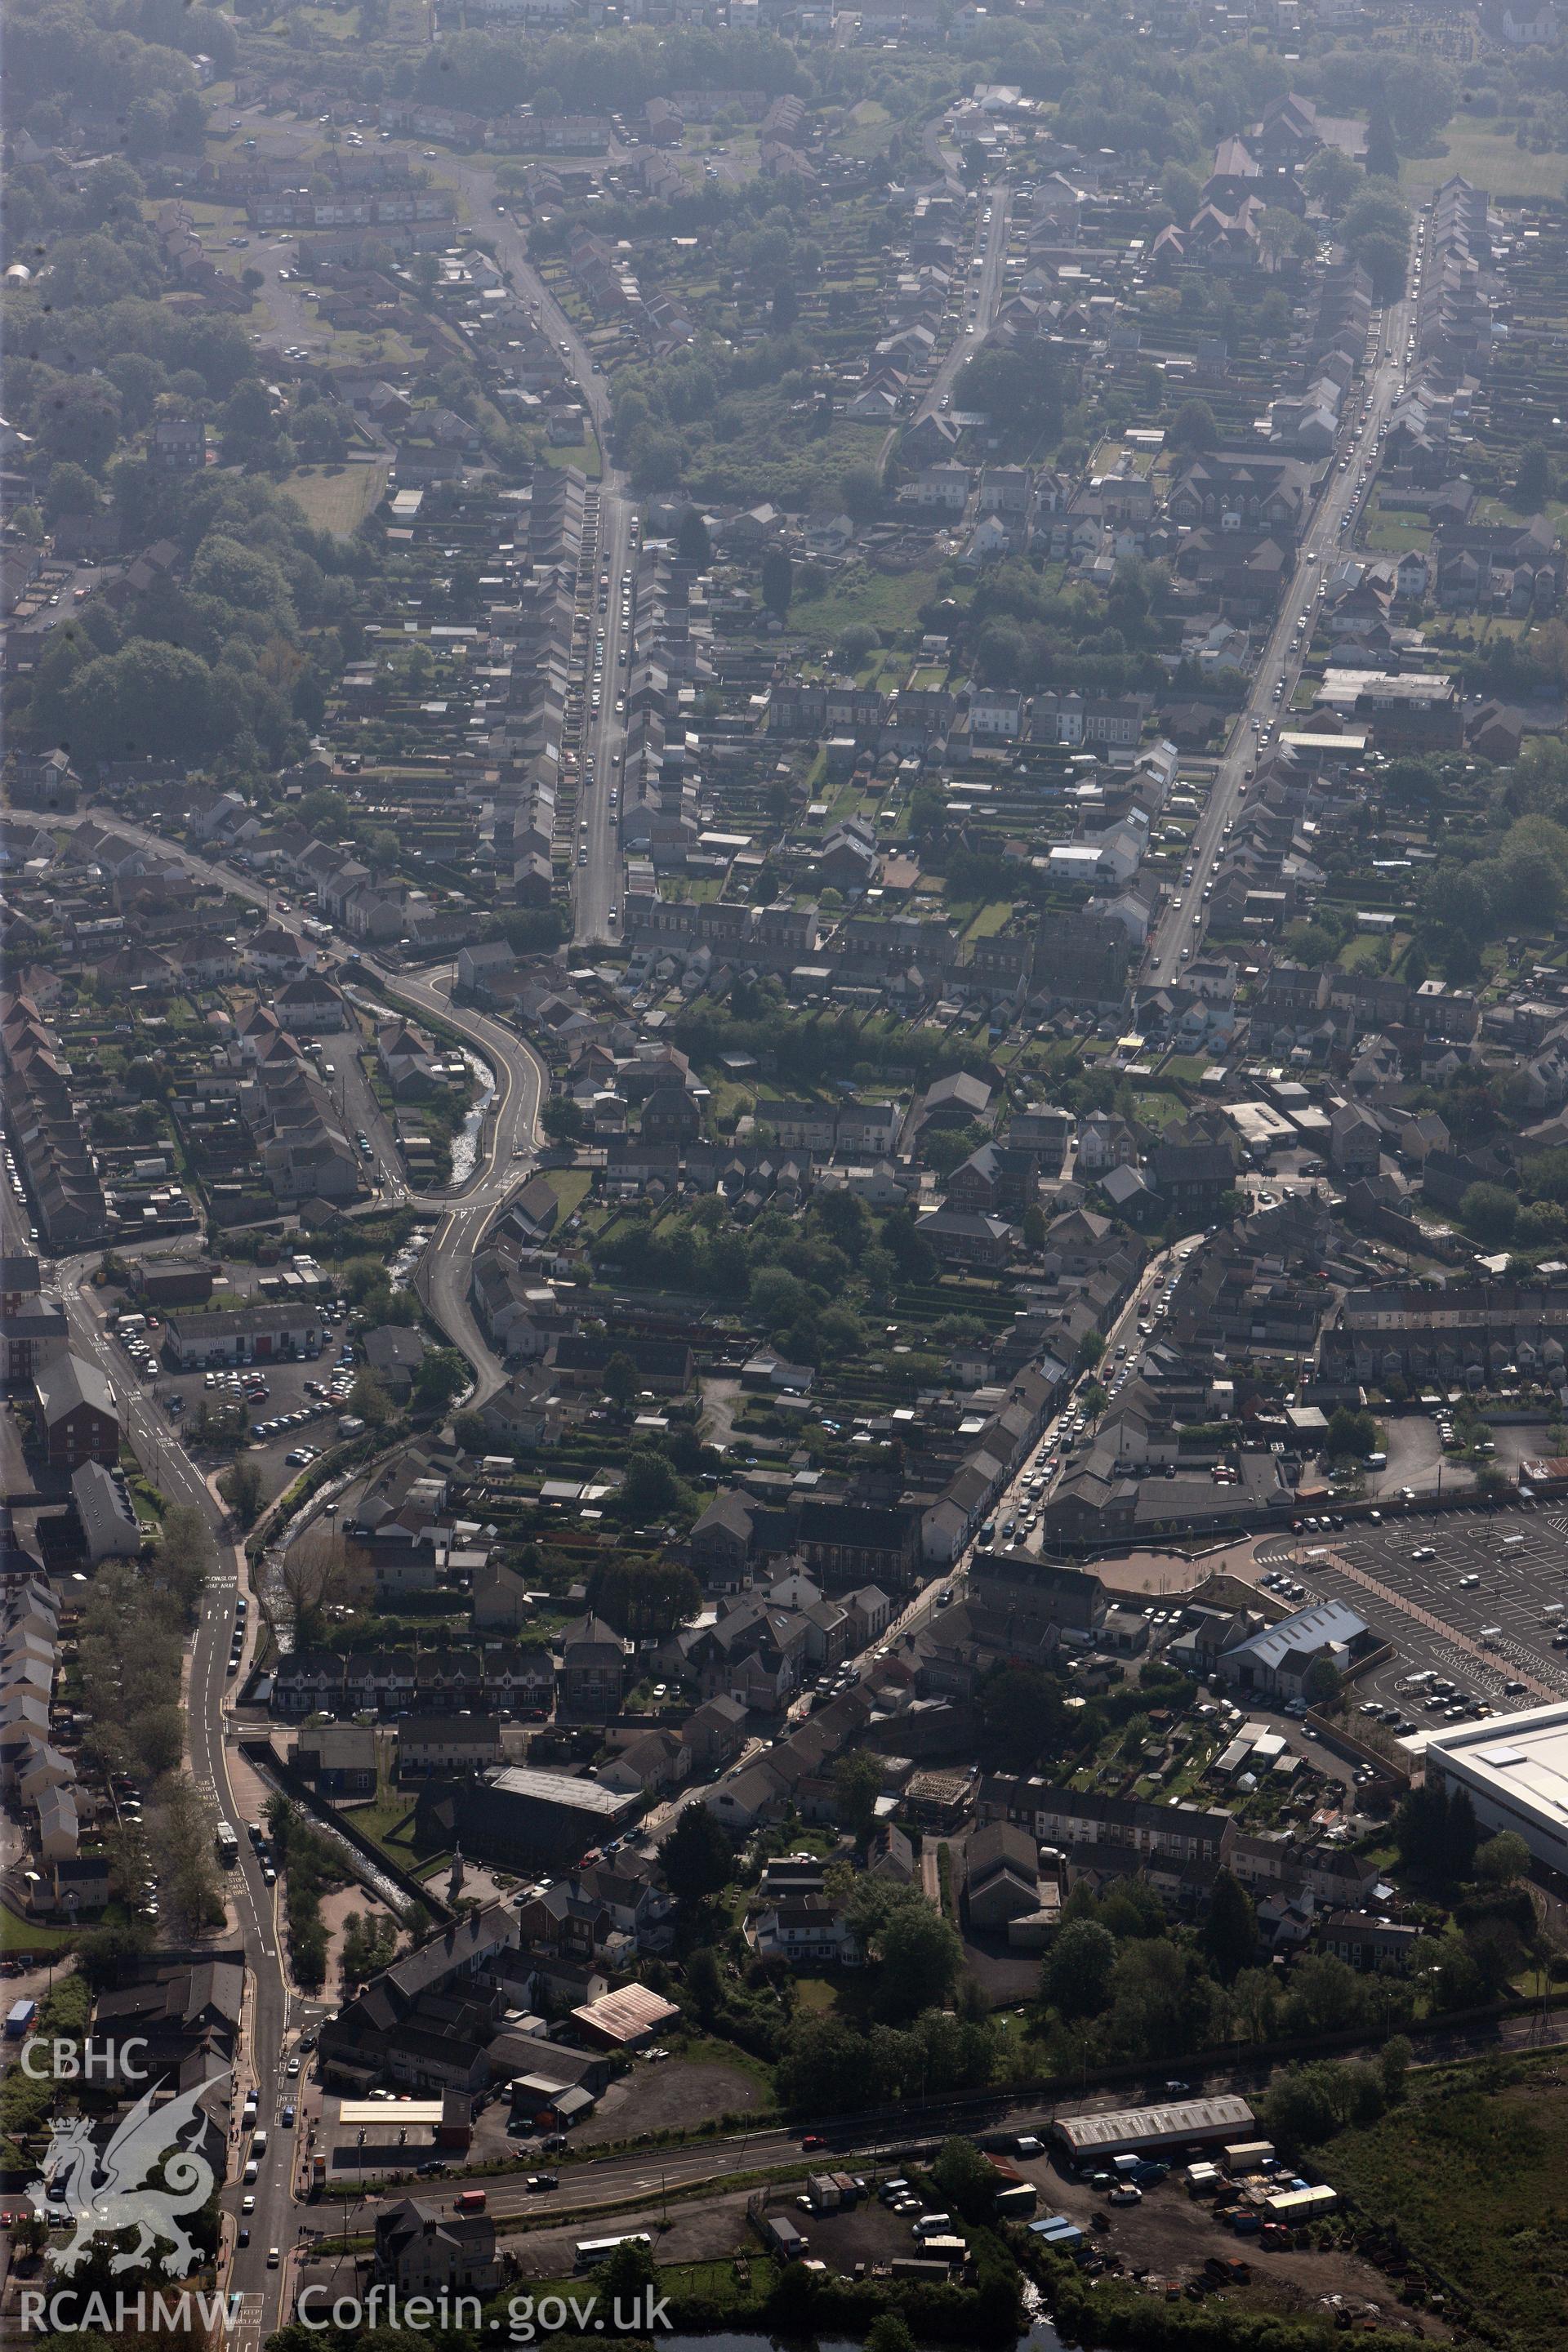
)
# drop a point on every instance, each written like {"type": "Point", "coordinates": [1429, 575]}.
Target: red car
{"type": "Point", "coordinates": [813, 2139]}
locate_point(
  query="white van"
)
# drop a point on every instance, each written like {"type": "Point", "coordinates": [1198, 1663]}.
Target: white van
{"type": "Point", "coordinates": [1513, 1543]}
{"type": "Point", "coordinates": [1491, 1635]}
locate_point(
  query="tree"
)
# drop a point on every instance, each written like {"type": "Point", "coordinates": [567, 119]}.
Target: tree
{"type": "Point", "coordinates": [1022, 1716]}
{"type": "Point", "coordinates": [1323, 1686]}
{"type": "Point", "coordinates": [70, 490]}
{"type": "Point", "coordinates": [1421, 98]}
{"type": "Point", "coordinates": [1461, 1836]}
{"type": "Point", "coordinates": [696, 1857]}
{"type": "Point", "coordinates": [562, 1120]}
{"type": "Point", "coordinates": [1194, 426]}
{"type": "Point", "coordinates": [240, 1486]}
{"type": "Point", "coordinates": [315, 1577]}
{"type": "Point", "coordinates": [1331, 179]}
{"type": "Point", "coordinates": [1074, 1978]}
{"type": "Point", "coordinates": [650, 1488]}
{"type": "Point", "coordinates": [1384, 258]}
{"type": "Point", "coordinates": [1230, 1927]}
{"type": "Point", "coordinates": [1277, 233]}
{"type": "Point", "coordinates": [370, 1401]}
{"type": "Point", "coordinates": [921, 1957]}
{"type": "Point", "coordinates": [1325, 1996]}
{"type": "Point", "coordinates": [1531, 482]}
{"type": "Point", "coordinates": [188, 1873]}
{"type": "Point", "coordinates": [1420, 1826]}
{"type": "Point", "coordinates": [1182, 190]}
{"type": "Point", "coordinates": [1393, 2063]}
{"type": "Point", "coordinates": [1488, 1213]}
{"type": "Point", "coordinates": [889, 2332]}
{"type": "Point", "coordinates": [1350, 1432]}
{"type": "Point", "coordinates": [967, 2181]}
{"type": "Point", "coordinates": [785, 307]}
{"type": "Point", "coordinates": [1382, 157]}
{"type": "Point", "coordinates": [443, 1375]}
{"type": "Point", "coordinates": [1502, 1859]}
{"type": "Point", "coordinates": [860, 487]}
{"type": "Point", "coordinates": [705, 1982]}
{"type": "Point", "coordinates": [858, 1784]}
{"type": "Point", "coordinates": [627, 2274]}
{"type": "Point", "coordinates": [692, 542]}
{"type": "Point", "coordinates": [646, 1600]}
{"type": "Point", "coordinates": [620, 1380]}
{"type": "Point", "coordinates": [778, 580]}
{"type": "Point", "coordinates": [1033, 1226]}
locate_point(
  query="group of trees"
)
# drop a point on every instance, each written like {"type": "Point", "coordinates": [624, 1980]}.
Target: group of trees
{"type": "Point", "coordinates": [310, 1867]}
{"type": "Point", "coordinates": [1307, 2104]}
{"type": "Point", "coordinates": [1376, 229]}
{"type": "Point", "coordinates": [802, 1282]}
{"type": "Point", "coordinates": [1120, 1982]}
{"type": "Point", "coordinates": [1519, 887]}
{"type": "Point", "coordinates": [644, 1598]}
{"type": "Point", "coordinates": [216, 667]}
{"type": "Point", "coordinates": [370, 1942]}
{"type": "Point", "coordinates": [132, 61]}
{"type": "Point", "coordinates": [570, 72]}
{"type": "Point", "coordinates": [133, 1627]}
{"type": "Point", "coordinates": [1437, 1833]}
{"type": "Point", "coordinates": [1023, 630]}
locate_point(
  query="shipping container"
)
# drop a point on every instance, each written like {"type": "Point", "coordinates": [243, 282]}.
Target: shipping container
{"type": "Point", "coordinates": [917, 2267]}
{"type": "Point", "coordinates": [1250, 2155]}
{"type": "Point", "coordinates": [1019, 2201]}
{"type": "Point", "coordinates": [824, 2192]}
{"type": "Point", "coordinates": [784, 2237]}
{"type": "Point", "coordinates": [945, 2247]}
{"type": "Point", "coordinates": [19, 2019]}
{"type": "Point", "coordinates": [1293, 2205]}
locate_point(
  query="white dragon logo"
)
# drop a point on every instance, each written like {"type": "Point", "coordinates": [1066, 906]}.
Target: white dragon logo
{"type": "Point", "coordinates": [106, 2192]}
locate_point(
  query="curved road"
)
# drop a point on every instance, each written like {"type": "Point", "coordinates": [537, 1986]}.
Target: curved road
{"type": "Point", "coordinates": [276, 2014]}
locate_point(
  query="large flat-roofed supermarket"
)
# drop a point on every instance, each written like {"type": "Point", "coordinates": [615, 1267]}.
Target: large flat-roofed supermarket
{"type": "Point", "coordinates": [1515, 1767]}
{"type": "Point", "coordinates": [1121, 2130]}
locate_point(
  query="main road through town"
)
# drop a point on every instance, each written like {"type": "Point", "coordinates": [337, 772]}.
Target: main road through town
{"type": "Point", "coordinates": [275, 2014]}
{"type": "Point", "coordinates": [1328, 533]}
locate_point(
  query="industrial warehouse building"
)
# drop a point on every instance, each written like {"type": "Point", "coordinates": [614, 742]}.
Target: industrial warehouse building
{"type": "Point", "coordinates": [1151, 2131]}
{"type": "Point", "coordinates": [1516, 1770]}
{"type": "Point", "coordinates": [527, 1819]}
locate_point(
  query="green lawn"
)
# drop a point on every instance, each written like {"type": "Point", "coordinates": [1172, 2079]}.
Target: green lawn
{"type": "Point", "coordinates": [30, 1935]}
{"type": "Point", "coordinates": [336, 497]}
{"type": "Point", "coordinates": [570, 1186]}
{"type": "Point", "coordinates": [582, 453]}
{"type": "Point", "coordinates": [1489, 158]}
{"type": "Point", "coordinates": [992, 919]}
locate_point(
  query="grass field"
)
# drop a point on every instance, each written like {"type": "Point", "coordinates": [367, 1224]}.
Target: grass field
{"type": "Point", "coordinates": [1471, 2169]}
{"type": "Point", "coordinates": [585, 455]}
{"type": "Point", "coordinates": [858, 594]}
{"type": "Point", "coordinates": [336, 497]}
{"type": "Point", "coordinates": [29, 1936]}
{"type": "Point", "coordinates": [1490, 161]}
